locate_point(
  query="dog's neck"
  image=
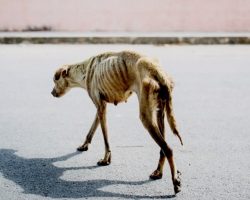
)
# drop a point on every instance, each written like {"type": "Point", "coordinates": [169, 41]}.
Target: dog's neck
{"type": "Point", "coordinates": [77, 74]}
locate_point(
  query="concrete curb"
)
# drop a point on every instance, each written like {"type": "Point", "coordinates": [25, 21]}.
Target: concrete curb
{"type": "Point", "coordinates": [126, 38]}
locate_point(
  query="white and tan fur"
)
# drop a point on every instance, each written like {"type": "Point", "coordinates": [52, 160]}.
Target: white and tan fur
{"type": "Point", "coordinates": [111, 78]}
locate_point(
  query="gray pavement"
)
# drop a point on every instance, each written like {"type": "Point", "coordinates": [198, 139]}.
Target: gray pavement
{"type": "Point", "coordinates": [39, 133]}
{"type": "Point", "coordinates": [157, 38]}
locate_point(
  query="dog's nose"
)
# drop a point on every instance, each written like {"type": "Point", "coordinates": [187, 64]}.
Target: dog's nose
{"type": "Point", "coordinates": [54, 93]}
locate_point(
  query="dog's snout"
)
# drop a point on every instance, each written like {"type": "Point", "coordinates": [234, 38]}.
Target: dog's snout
{"type": "Point", "coordinates": [54, 93]}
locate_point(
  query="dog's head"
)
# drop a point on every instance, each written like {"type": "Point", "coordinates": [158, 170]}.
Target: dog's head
{"type": "Point", "coordinates": [61, 82]}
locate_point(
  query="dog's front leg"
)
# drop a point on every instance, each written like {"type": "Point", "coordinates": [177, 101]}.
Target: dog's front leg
{"type": "Point", "coordinates": [84, 146]}
{"type": "Point", "coordinates": [102, 118]}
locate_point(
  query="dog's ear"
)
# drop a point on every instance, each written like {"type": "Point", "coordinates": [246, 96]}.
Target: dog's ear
{"type": "Point", "coordinates": [65, 73]}
{"type": "Point", "coordinates": [61, 72]}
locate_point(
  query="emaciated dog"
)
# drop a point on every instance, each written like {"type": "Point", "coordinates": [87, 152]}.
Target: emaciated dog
{"type": "Point", "coordinates": [111, 78]}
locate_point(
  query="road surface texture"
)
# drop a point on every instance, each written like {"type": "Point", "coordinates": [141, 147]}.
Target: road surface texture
{"type": "Point", "coordinates": [39, 134]}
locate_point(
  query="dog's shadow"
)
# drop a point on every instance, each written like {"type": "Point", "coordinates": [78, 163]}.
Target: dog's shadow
{"type": "Point", "coordinates": [40, 177]}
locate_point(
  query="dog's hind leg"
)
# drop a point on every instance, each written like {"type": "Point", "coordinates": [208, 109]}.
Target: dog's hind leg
{"type": "Point", "coordinates": [157, 174]}
{"type": "Point", "coordinates": [84, 146]}
{"type": "Point", "coordinates": [147, 115]}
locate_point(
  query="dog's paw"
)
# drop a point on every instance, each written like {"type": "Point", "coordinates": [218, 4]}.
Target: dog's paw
{"type": "Point", "coordinates": [103, 162]}
{"type": "Point", "coordinates": [177, 183]}
{"type": "Point", "coordinates": [82, 148]}
{"type": "Point", "coordinates": [177, 188]}
{"type": "Point", "coordinates": [156, 175]}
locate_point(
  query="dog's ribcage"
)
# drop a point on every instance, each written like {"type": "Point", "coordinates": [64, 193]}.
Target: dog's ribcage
{"type": "Point", "coordinates": [110, 79]}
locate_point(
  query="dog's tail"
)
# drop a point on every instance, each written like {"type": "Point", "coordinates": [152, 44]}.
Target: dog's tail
{"type": "Point", "coordinates": [166, 86]}
{"type": "Point", "coordinates": [171, 118]}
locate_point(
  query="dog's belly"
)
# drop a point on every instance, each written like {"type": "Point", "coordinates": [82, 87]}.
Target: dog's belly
{"type": "Point", "coordinates": [116, 97]}
{"type": "Point", "coordinates": [115, 91]}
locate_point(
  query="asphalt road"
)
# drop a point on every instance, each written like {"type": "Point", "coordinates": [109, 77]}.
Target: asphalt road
{"type": "Point", "coordinates": [39, 134]}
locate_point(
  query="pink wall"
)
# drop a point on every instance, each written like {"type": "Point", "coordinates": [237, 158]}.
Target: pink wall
{"type": "Point", "coordinates": [127, 15]}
